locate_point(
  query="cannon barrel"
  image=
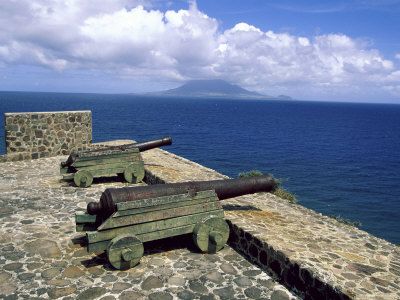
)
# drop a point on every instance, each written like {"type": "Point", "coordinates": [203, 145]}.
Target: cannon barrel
{"type": "Point", "coordinates": [226, 188]}
{"type": "Point", "coordinates": [153, 144]}
{"type": "Point", "coordinates": [141, 146]}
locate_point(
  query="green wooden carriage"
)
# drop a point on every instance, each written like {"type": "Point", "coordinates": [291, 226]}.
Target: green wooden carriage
{"type": "Point", "coordinates": [124, 161]}
{"type": "Point", "coordinates": [133, 223]}
{"type": "Point", "coordinates": [84, 166]}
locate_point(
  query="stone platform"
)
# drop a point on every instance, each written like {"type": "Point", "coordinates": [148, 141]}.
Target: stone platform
{"type": "Point", "coordinates": [314, 255]}
{"type": "Point", "coordinates": [41, 255]}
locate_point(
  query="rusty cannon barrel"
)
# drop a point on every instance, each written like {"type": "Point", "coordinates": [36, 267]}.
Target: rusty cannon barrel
{"type": "Point", "coordinates": [165, 141]}
{"type": "Point", "coordinates": [227, 188]}
{"type": "Point", "coordinates": [116, 149]}
{"type": "Point", "coordinates": [152, 144]}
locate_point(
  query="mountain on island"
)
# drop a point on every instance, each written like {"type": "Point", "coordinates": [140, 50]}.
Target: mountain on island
{"type": "Point", "coordinates": [214, 88]}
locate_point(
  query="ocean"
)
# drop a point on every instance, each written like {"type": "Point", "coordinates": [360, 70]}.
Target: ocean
{"type": "Point", "coordinates": [340, 159]}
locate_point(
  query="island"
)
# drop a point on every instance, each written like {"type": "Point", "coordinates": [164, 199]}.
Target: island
{"type": "Point", "coordinates": [214, 88]}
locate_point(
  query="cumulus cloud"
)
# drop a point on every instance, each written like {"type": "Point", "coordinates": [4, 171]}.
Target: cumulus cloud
{"type": "Point", "coordinates": [127, 38]}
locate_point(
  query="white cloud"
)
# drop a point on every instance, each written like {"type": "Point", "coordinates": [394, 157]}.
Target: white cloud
{"type": "Point", "coordinates": [127, 39]}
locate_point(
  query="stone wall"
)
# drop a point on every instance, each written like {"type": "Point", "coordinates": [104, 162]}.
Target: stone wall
{"type": "Point", "coordinates": [41, 134]}
{"type": "Point", "coordinates": [313, 255]}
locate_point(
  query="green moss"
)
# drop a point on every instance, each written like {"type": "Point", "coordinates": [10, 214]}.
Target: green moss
{"type": "Point", "coordinates": [346, 221]}
{"type": "Point", "coordinates": [280, 192]}
{"type": "Point", "coordinates": [284, 194]}
{"type": "Point", "coordinates": [252, 173]}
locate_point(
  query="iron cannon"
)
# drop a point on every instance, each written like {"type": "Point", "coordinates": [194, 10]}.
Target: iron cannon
{"type": "Point", "coordinates": [125, 218]}
{"type": "Point", "coordinates": [124, 160]}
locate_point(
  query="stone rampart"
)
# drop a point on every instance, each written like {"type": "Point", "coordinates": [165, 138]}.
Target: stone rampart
{"type": "Point", "coordinates": [42, 134]}
{"type": "Point", "coordinates": [314, 255]}
{"type": "Point", "coordinates": [43, 257]}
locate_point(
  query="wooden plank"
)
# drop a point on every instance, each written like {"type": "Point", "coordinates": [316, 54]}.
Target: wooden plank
{"type": "Point", "coordinates": [98, 247]}
{"type": "Point", "coordinates": [100, 157]}
{"type": "Point", "coordinates": [82, 217]}
{"type": "Point", "coordinates": [159, 215]}
{"type": "Point", "coordinates": [164, 200]}
{"type": "Point", "coordinates": [147, 237]}
{"type": "Point", "coordinates": [140, 210]}
{"type": "Point", "coordinates": [109, 155]}
{"type": "Point", "coordinates": [99, 152]}
{"type": "Point", "coordinates": [114, 166]}
{"type": "Point", "coordinates": [104, 170]}
{"type": "Point", "coordinates": [169, 232]}
{"type": "Point", "coordinates": [137, 229]}
{"type": "Point", "coordinates": [108, 160]}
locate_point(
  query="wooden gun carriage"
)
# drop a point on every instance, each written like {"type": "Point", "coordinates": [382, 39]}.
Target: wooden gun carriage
{"type": "Point", "coordinates": [123, 160]}
{"type": "Point", "coordinates": [125, 218]}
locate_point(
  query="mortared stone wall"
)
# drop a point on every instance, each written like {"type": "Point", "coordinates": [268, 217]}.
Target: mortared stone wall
{"type": "Point", "coordinates": [42, 134]}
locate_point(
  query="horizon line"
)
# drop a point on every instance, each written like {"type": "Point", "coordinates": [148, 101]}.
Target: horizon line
{"type": "Point", "coordinates": [209, 97]}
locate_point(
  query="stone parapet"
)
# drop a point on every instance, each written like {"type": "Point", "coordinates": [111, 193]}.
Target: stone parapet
{"type": "Point", "coordinates": [314, 255]}
{"type": "Point", "coordinates": [43, 134]}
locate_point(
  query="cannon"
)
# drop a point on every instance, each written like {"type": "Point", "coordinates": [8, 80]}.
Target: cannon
{"type": "Point", "coordinates": [125, 161]}
{"type": "Point", "coordinates": [125, 218]}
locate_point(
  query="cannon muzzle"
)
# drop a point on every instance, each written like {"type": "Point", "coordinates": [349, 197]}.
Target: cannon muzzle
{"type": "Point", "coordinates": [227, 188]}
{"type": "Point", "coordinates": [153, 144]}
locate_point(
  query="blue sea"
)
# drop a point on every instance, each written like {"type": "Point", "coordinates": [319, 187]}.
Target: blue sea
{"type": "Point", "coordinates": [340, 159]}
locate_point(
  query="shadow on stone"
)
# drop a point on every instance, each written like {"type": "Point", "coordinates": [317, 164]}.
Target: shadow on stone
{"type": "Point", "coordinates": [232, 207]}
{"type": "Point", "coordinates": [107, 179]}
{"type": "Point", "coordinates": [150, 248]}
{"type": "Point", "coordinates": [97, 260]}
{"type": "Point", "coordinates": [79, 240]}
{"type": "Point", "coordinates": [99, 180]}
{"type": "Point", "coordinates": [171, 243]}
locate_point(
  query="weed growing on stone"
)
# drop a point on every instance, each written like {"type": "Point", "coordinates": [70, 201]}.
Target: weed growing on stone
{"type": "Point", "coordinates": [343, 220]}
{"type": "Point", "coordinates": [284, 194]}
{"type": "Point", "coordinates": [251, 173]}
{"type": "Point", "coordinates": [280, 192]}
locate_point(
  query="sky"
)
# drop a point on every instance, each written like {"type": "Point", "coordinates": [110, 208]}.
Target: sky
{"type": "Point", "coordinates": [310, 50]}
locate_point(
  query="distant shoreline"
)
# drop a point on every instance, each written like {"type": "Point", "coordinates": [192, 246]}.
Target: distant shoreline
{"type": "Point", "coordinates": [227, 98]}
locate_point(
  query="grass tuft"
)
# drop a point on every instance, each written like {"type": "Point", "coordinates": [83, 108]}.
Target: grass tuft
{"type": "Point", "coordinates": [284, 194]}
{"type": "Point", "coordinates": [252, 173]}
{"type": "Point", "coordinates": [279, 191]}
{"type": "Point", "coordinates": [343, 220]}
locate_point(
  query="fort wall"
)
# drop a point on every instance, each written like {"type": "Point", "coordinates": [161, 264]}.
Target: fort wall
{"type": "Point", "coordinates": [44, 134]}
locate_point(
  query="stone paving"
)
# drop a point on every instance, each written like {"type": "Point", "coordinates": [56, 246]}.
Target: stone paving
{"type": "Point", "coordinates": [316, 255]}
{"type": "Point", "coordinates": [41, 255]}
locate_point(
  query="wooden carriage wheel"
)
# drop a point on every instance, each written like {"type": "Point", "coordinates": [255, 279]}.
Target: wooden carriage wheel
{"type": "Point", "coordinates": [211, 234]}
{"type": "Point", "coordinates": [125, 251]}
{"type": "Point", "coordinates": [83, 178]}
{"type": "Point", "coordinates": [134, 173]}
